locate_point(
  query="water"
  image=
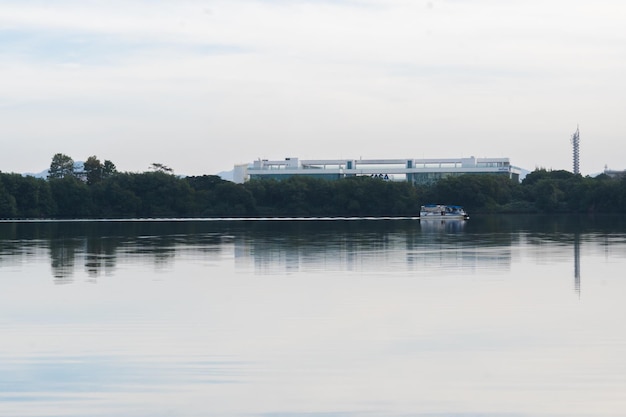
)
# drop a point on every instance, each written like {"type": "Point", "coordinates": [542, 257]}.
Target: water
{"type": "Point", "coordinates": [498, 316]}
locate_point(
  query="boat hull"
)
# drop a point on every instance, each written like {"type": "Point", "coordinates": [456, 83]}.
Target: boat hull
{"type": "Point", "coordinates": [444, 217]}
{"type": "Point", "coordinates": [442, 212]}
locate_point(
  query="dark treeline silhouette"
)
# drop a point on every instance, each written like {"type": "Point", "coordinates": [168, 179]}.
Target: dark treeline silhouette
{"type": "Point", "coordinates": [159, 193]}
{"type": "Point", "coordinates": [542, 191]}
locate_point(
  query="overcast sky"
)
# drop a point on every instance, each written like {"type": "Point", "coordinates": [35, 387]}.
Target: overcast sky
{"type": "Point", "coordinates": [202, 85]}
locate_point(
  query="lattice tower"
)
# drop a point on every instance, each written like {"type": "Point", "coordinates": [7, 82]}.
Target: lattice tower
{"type": "Point", "coordinates": [576, 149]}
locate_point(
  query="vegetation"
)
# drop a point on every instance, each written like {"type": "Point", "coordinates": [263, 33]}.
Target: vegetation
{"type": "Point", "coordinates": [100, 191]}
{"type": "Point", "coordinates": [61, 166]}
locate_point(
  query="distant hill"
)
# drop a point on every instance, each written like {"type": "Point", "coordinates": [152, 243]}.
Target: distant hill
{"type": "Point", "coordinates": [78, 167]}
{"type": "Point", "coordinates": [42, 174]}
{"type": "Point", "coordinates": [226, 175]}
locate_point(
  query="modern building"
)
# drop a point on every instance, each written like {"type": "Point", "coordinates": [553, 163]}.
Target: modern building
{"type": "Point", "coordinates": [417, 171]}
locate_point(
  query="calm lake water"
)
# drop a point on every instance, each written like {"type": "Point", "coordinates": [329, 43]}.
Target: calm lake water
{"type": "Point", "coordinates": [497, 316]}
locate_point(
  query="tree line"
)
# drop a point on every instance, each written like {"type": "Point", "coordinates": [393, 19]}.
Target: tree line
{"type": "Point", "coordinates": [98, 190]}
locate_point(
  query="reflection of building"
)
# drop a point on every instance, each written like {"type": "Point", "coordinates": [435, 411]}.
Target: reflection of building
{"type": "Point", "coordinates": [430, 250]}
{"type": "Point", "coordinates": [418, 171]}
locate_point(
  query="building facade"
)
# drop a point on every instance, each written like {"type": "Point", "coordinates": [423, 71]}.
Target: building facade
{"type": "Point", "coordinates": [416, 171]}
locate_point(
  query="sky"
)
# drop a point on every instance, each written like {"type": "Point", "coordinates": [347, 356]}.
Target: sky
{"type": "Point", "coordinates": [203, 85]}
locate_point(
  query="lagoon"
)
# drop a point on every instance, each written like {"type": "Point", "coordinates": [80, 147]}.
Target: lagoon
{"type": "Point", "coordinates": [496, 316]}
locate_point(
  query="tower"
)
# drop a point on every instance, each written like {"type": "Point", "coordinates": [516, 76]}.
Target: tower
{"type": "Point", "coordinates": [575, 145]}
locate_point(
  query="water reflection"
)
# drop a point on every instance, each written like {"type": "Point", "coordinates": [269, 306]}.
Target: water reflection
{"type": "Point", "coordinates": [442, 226]}
{"type": "Point", "coordinates": [98, 246]}
{"type": "Point", "coordinates": [269, 247]}
{"type": "Point", "coordinates": [100, 256]}
{"type": "Point", "coordinates": [111, 373]}
{"type": "Point", "coordinates": [577, 262]}
{"type": "Point", "coordinates": [62, 258]}
{"type": "Point", "coordinates": [358, 318]}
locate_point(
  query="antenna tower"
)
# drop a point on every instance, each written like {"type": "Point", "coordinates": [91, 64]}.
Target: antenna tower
{"type": "Point", "coordinates": [575, 145]}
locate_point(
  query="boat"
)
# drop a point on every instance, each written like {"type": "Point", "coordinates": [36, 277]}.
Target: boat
{"type": "Point", "coordinates": [442, 212]}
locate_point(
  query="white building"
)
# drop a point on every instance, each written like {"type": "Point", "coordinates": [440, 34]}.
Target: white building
{"type": "Point", "coordinates": [417, 171]}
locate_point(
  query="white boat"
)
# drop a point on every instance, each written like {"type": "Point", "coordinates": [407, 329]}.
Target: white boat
{"type": "Point", "coordinates": [442, 212]}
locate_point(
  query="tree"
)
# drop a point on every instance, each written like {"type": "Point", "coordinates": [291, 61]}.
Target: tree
{"type": "Point", "coordinates": [108, 169]}
{"type": "Point", "coordinates": [8, 207]}
{"type": "Point", "coordinates": [71, 197]}
{"type": "Point", "coordinates": [32, 195]}
{"type": "Point", "coordinates": [93, 170]}
{"type": "Point", "coordinates": [547, 195]}
{"type": "Point", "coordinates": [61, 166]}
{"type": "Point", "coordinates": [157, 167]}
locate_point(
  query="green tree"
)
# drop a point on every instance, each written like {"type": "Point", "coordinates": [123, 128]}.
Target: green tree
{"type": "Point", "coordinates": [8, 206]}
{"type": "Point", "coordinates": [93, 170]}
{"type": "Point", "coordinates": [108, 169]}
{"type": "Point", "coordinates": [113, 198]}
{"type": "Point", "coordinates": [32, 195]}
{"type": "Point", "coordinates": [61, 166]}
{"type": "Point", "coordinates": [547, 195]}
{"type": "Point", "coordinates": [161, 194]}
{"type": "Point", "coordinates": [71, 196]}
{"type": "Point", "coordinates": [157, 167]}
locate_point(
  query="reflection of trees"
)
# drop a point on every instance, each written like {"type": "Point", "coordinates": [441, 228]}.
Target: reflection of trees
{"type": "Point", "coordinates": [562, 230]}
{"type": "Point", "coordinates": [100, 255]}
{"type": "Point", "coordinates": [100, 246]}
{"type": "Point", "coordinates": [12, 252]}
{"type": "Point", "coordinates": [361, 246]}
{"type": "Point", "coordinates": [480, 243]}
{"type": "Point", "coordinates": [288, 246]}
{"type": "Point", "coordinates": [62, 256]}
{"type": "Point", "coordinates": [460, 245]}
{"type": "Point", "coordinates": [160, 249]}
